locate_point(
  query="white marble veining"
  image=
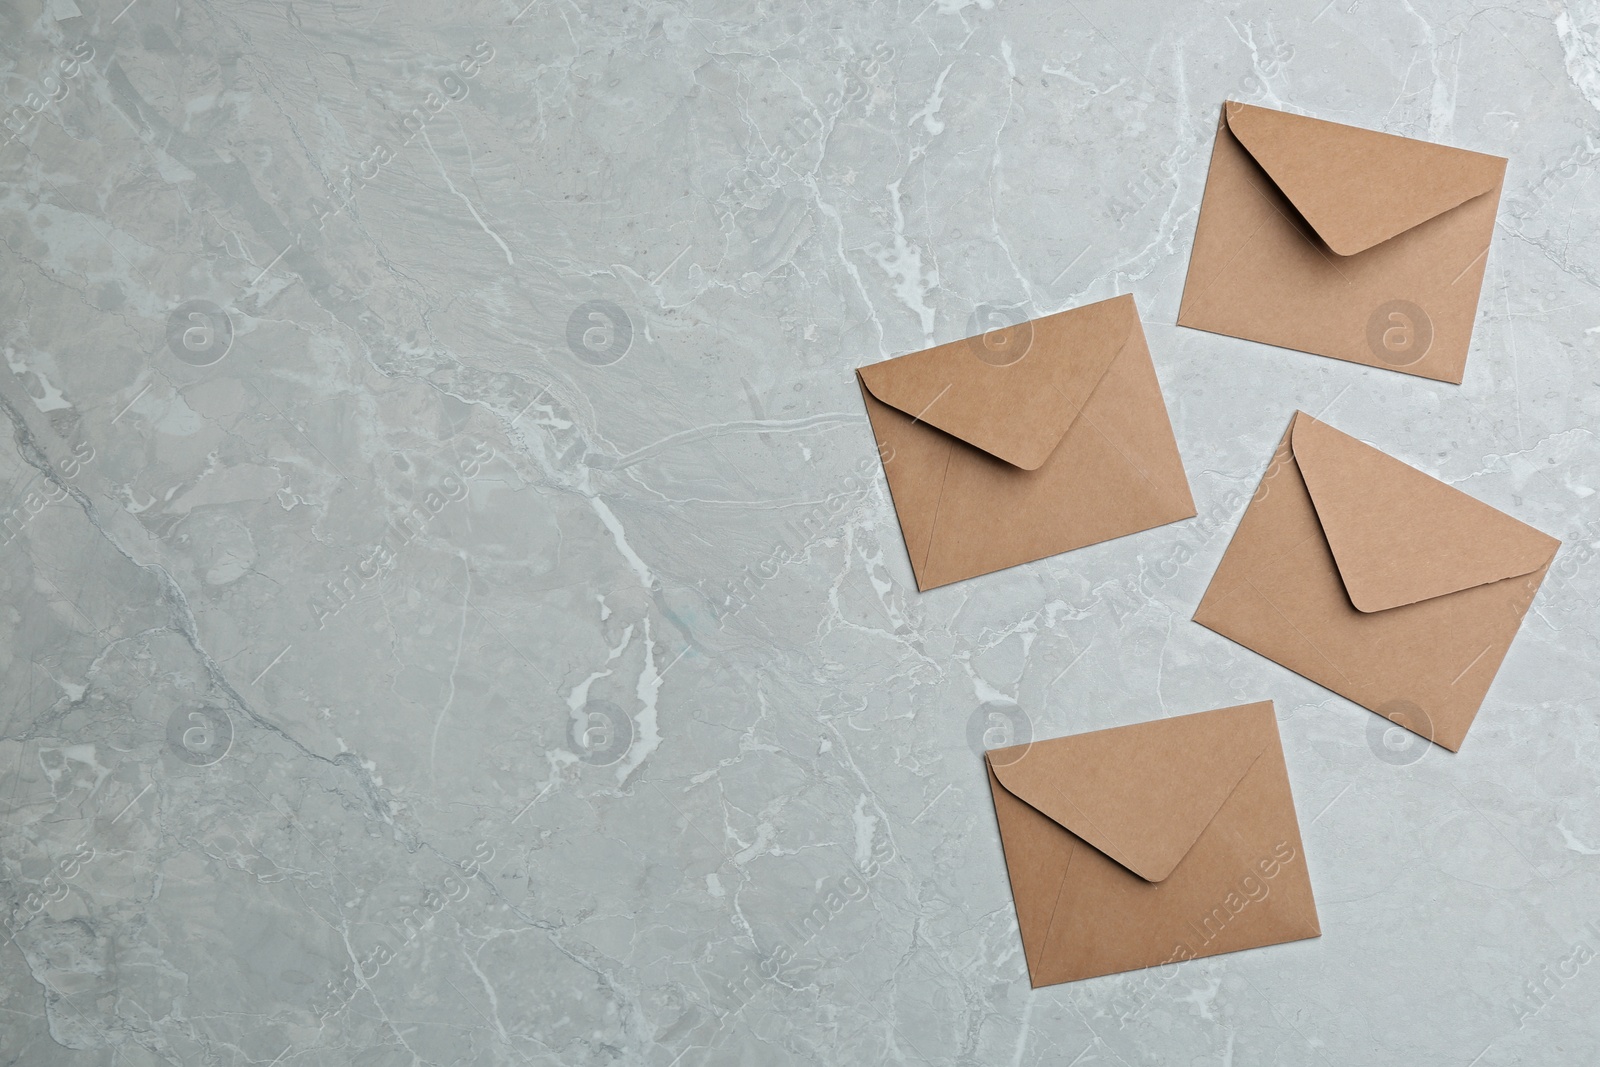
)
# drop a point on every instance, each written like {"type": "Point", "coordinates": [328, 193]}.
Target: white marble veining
{"type": "Point", "coordinates": [451, 613]}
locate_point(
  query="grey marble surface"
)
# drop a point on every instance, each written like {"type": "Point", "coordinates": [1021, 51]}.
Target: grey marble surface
{"type": "Point", "coordinates": [393, 390]}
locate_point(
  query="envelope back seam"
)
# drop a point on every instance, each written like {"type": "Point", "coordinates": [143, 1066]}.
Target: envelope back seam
{"type": "Point", "coordinates": [1061, 887]}
{"type": "Point", "coordinates": [933, 524]}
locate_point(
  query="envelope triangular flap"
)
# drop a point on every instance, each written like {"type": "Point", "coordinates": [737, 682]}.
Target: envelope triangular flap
{"type": "Point", "coordinates": [1398, 535]}
{"type": "Point", "coordinates": [1358, 188]}
{"type": "Point", "coordinates": [1141, 794]}
{"type": "Point", "coordinates": [1018, 412]}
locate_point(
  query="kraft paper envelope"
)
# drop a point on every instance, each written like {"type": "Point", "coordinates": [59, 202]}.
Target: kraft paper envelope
{"type": "Point", "coordinates": [1025, 442]}
{"type": "Point", "coordinates": [1345, 242]}
{"type": "Point", "coordinates": [1150, 844]}
{"type": "Point", "coordinates": [1377, 581]}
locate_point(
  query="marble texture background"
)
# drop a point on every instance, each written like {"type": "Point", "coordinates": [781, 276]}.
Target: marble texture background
{"type": "Point", "coordinates": [393, 392]}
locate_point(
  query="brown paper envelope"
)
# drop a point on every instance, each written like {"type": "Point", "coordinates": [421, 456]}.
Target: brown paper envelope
{"type": "Point", "coordinates": [1340, 241]}
{"type": "Point", "coordinates": [1149, 844]}
{"type": "Point", "coordinates": [992, 465]}
{"type": "Point", "coordinates": [1376, 580]}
